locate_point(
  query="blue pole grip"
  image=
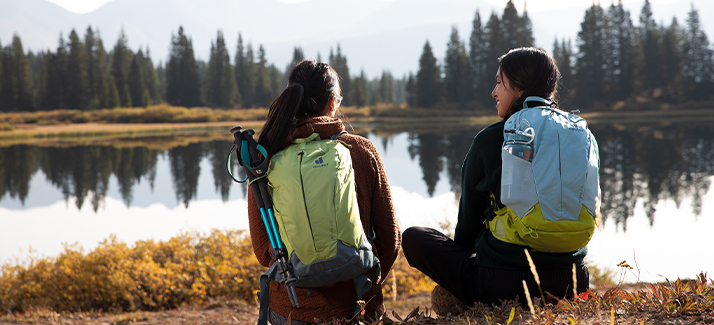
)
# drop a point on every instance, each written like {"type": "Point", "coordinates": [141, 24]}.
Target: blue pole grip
{"type": "Point", "coordinates": [275, 229]}
{"type": "Point", "coordinates": [267, 228]}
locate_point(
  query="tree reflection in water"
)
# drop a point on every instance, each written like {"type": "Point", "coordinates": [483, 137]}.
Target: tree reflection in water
{"type": "Point", "coordinates": [638, 164]}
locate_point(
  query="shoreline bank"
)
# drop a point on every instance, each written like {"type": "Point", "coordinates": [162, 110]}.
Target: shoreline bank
{"type": "Point", "coordinates": [30, 133]}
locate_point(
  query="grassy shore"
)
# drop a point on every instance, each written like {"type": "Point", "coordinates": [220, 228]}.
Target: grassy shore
{"type": "Point", "coordinates": [133, 125]}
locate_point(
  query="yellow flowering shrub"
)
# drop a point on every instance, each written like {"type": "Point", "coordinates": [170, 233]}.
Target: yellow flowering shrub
{"type": "Point", "coordinates": [408, 280]}
{"type": "Point", "coordinates": [190, 268]}
{"type": "Point", "coordinates": [187, 269]}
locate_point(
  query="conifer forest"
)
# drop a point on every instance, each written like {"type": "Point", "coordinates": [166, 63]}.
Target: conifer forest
{"type": "Point", "coordinates": [618, 57]}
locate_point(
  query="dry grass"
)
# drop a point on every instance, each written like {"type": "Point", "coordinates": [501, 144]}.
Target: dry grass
{"type": "Point", "coordinates": [211, 279]}
{"type": "Point", "coordinates": [162, 113]}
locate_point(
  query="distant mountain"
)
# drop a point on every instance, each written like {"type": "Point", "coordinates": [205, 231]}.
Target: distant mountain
{"type": "Point", "coordinates": [373, 34]}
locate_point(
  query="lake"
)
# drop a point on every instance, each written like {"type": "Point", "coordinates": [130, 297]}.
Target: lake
{"type": "Point", "coordinates": [656, 180]}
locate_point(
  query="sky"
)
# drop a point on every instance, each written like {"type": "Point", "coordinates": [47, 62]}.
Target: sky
{"type": "Point", "coordinates": [85, 6]}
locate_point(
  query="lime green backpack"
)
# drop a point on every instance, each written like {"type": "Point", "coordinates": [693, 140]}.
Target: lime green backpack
{"type": "Point", "coordinates": [312, 186]}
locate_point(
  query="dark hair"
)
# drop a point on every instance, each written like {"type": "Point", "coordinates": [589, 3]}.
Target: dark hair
{"type": "Point", "coordinates": [532, 70]}
{"type": "Point", "coordinates": [311, 85]}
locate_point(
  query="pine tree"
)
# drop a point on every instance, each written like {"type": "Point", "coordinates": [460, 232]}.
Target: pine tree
{"type": "Point", "coordinates": [135, 81]}
{"type": "Point", "coordinates": [698, 65]}
{"type": "Point", "coordinates": [563, 56]}
{"type": "Point", "coordinates": [339, 63]}
{"type": "Point", "coordinates": [590, 63]}
{"type": "Point", "coordinates": [125, 99]}
{"type": "Point", "coordinates": [517, 30]}
{"type": "Point", "coordinates": [5, 79]}
{"type": "Point", "coordinates": [277, 78]}
{"type": "Point", "coordinates": [97, 70]}
{"type": "Point", "coordinates": [111, 93]}
{"type": "Point", "coordinates": [373, 92]}
{"type": "Point", "coordinates": [263, 89]}
{"type": "Point", "coordinates": [35, 62]}
{"type": "Point", "coordinates": [410, 91]}
{"type": "Point", "coordinates": [151, 78]}
{"type": "Point", "coordinates": [245, 73]}
{"type": "Point", "coordinates": [649, 74]}
{"type": "Point", "coordinates": [221, 84]}
{"type": "Point", "coordinates": [400, 90]}
{"type": "Point", "coordinates": [161, 79]}
{"type": "Point", "coordinates": [428, 79]}
{"type": "Point", "coordinates": [359, 93]}
{"type": "Point", "coordinates": [386, 88]}
{"type": "Point", "coordinates": [182, 81]}
{"type": "Point", "coordinates": [477, 56]}
{"type": "Point", "coordinates": [238, 64]}
{"type": "Point", "coordinates": [52, 86]}
{"type": "Point", "coordinates": [510, 22]}
{"type": "Point", "coordinates": [94, 88]}
{"type": "Point", "coordinates": [525, 30]}
{"type": "Point", "coordinates": [77, 83]}
{"type": "Point", "coordinates": [619, 51]}
{"type": "Point", "coordinates": [2, 91]}
{"type": "Point", "coordinates": [456, 70]}
{"type": "Point", "coordinates": [298, 56]}
{"type": "Point", "coordinates": [17, 78]}
{"type": "Point", "coordinates": [202, 72]}
{"type": "Point", "coordinates": [251, 74]}
{"type": "Point", "coordinates": [494, 49]}
{"type": "Point", "coordinates": [672, 43]}
{"type": "Point", "coordinates": [122, 57]}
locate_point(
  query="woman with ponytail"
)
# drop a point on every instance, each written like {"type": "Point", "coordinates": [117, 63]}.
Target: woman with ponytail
{"type": "Point", "coordinates": [309, 104]}
{"type": "Point", "coordinates": [476, 266]}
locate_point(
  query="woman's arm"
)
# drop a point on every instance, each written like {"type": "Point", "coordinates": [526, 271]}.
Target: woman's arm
{"type": "Point", "coordinates": [480, 176]}
{"type": "Point", "coordinates": [470, 221]}
{"type": "Point", "coordinates": [384, 218]}
{"type": "Point", "coordinates": [375, 200]}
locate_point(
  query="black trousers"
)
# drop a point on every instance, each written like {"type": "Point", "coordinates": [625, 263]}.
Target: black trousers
{"type": "Point", "coordinates": [454, 268]}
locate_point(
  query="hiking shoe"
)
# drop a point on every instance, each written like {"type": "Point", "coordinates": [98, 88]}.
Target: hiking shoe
{"type": "Point", "coordinates": [444, 303]}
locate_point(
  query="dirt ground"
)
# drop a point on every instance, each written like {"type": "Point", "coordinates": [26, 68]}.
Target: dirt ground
{"type": "Point", "coordinates": [212, 313]}
{"type": "Point", "coordinates": [242, 313]}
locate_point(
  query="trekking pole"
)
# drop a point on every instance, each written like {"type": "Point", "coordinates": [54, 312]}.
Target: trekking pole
{"type": "Point", "coordinates": [248, 150]}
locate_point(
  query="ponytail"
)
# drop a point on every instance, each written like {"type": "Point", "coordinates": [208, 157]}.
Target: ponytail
{"type": "Point", "coordinates": [311, 85]}
{"type": "Point", "coordinates": [279, 123]}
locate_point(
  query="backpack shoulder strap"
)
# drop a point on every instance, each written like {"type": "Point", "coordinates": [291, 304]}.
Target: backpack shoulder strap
{"type": "Point", "coordinates": [334, 137]}
{"type": "Point", "coordinates": [264, 293]}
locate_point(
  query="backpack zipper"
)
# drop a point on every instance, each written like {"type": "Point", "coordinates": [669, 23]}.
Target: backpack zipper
{"type": "Point", "coordinates": [304, 200]}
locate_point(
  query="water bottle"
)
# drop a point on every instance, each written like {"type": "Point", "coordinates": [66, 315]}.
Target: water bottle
{"type": "Point", "coordinates": [521, 144]}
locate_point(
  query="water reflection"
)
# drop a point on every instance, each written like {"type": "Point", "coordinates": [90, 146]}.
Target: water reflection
{"type": "Point", "coordinates": [639, 163]}
{"type": "Point", "coordinates": [83, 172]}
{"type": "Point", "coordinates": [653, 164]}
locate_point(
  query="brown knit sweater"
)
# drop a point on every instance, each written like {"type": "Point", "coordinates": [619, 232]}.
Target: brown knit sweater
{"type": "Point", "coordinates": [375, 202]}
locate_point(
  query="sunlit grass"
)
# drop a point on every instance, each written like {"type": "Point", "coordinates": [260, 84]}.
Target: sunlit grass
{"type": "Point", "coordinates": [162, 113]}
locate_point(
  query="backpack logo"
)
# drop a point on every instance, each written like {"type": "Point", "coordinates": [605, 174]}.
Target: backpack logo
{"type": "Point", "coordinates": [319, 163]}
